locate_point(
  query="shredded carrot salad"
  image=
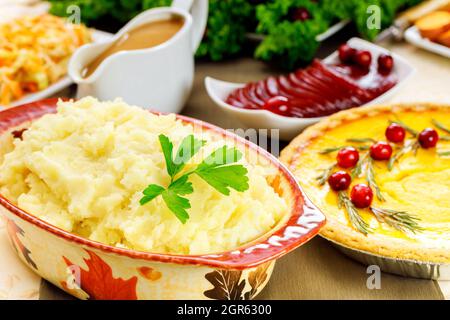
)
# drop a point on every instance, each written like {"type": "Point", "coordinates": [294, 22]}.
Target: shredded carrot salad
{"type": "Point", "coordinates": [34, 52]}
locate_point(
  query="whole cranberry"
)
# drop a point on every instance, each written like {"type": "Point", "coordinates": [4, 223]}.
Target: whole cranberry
{"type": "Point", "coordinates": [300, 14]}
{"type": "Point", "coordinates": [346, 53]}
{"type": "Point", "coordinates": [361, 195]}
{"type": "Point", "coordinates": [428, 138]}
{"type": "Point", "coordinates": [339, 181]}
{"type": "Point", "coordinates": [347, 157]}
{"type": "Point", "coordinates": [279, 105]}
{"type": "Point", "coordinates": [363, 58]}
{"type": "Point", "coordinates": [395, 133]}
{"type": "Point", "coordinates": [381, 151]}
{"type": "Point", "coordinates": [385, 63]}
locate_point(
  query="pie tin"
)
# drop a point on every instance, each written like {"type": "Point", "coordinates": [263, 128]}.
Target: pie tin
{"type": "Point", "coordinates": [402, 267]}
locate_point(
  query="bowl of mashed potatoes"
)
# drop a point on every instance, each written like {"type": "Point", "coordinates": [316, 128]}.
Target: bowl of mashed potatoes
{"type": "Point", "coordinates": [72, 174]}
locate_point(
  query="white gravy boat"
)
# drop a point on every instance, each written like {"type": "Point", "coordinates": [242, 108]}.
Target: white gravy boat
{"type": "Point", "coordinates": [160, 77]}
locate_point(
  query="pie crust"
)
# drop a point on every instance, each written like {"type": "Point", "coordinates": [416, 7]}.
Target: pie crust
{"type": "Point", "coordinates": [374, 243]}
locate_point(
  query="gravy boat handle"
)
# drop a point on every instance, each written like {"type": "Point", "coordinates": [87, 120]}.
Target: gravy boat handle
{"type": "Point", "coordinates": [199, 9]}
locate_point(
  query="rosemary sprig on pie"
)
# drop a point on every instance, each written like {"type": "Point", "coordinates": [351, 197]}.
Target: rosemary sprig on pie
{"type": "Point", "coordinates": [441, 126]}
{"type": "Point", "coordinates": [409, 146]}
{"type": "Point", "coordinates": [367, 163]}
{"type": "Point", "coordinates": [323, 178]}
{"type": "Point", "coordinates": [354, 217]}
{"type": "Point", "coordinates": [400, 220]}
{"type": "Point", "coordinates": [370, 177]}
{"type": "Point", "coordinates": [357, 170]}
{"type": "Point", "coordinates": [361, 140]}
{"type": "Point", "coordinates": [334, 149]}
{"type": "Point", "coordinates": [413, 132]}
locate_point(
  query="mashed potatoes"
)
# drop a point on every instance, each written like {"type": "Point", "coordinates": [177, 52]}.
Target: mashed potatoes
{"type": "Point", "coordinates": [84, 170]}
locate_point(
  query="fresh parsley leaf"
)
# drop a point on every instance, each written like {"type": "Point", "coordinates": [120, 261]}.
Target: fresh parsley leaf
{"type": "Point", "coordinates": [181, 186]}
{"type": "Point", "coordinates": [187, 149]}
{"type": "Point", "coordinates": [225, 177]}
{"type": "Point", "coordinates": [177, 205]}
{"type": "Point", "coordinates": [220, 157]}
{"type": "Point", "coordinates": [150, 193]}
{"type": "Point", "coordinates": [216, 171]}
{"type": "Point", "coordinates": [174, 201]}
{"type": "Point", "coordinates": [167, 149]}
{"type": "Point", "coordinates": [171, 196]}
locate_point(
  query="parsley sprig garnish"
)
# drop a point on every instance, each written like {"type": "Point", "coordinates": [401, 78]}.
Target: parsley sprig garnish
{"type": "Point", "coordinates": [217, 170]}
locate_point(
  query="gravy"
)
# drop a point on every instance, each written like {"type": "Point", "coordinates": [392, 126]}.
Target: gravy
{"type": "Point", "coordinates": [145, 36]}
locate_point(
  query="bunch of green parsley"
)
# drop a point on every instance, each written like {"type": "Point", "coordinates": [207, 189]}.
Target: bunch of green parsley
{"type": "Point", "coordinates": [292, 43]}
{"type": "Point", "coordinates": [289, 43]}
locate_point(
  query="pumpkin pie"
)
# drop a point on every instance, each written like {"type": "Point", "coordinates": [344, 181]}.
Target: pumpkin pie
{"type": "Point", "coordinates": [409, 214]}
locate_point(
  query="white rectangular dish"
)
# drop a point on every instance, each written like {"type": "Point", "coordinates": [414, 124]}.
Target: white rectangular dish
{"type": "Point", "coordinates": [290, 127]}
{"type": "Point", "coordinates": [413, 36]}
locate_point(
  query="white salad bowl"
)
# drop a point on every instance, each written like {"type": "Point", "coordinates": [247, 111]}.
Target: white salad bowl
{"type": "Point", "coordinates": [289, 127]}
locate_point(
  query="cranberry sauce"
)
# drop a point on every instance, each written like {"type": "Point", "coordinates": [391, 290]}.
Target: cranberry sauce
{"type": "Point", "coordinates": [319, 90]}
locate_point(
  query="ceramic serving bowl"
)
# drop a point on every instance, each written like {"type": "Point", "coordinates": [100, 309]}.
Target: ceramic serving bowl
{"type": "Point", "coordinates": [91, 270]}
{"type": "Point", "coordinates": [290, 127]}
